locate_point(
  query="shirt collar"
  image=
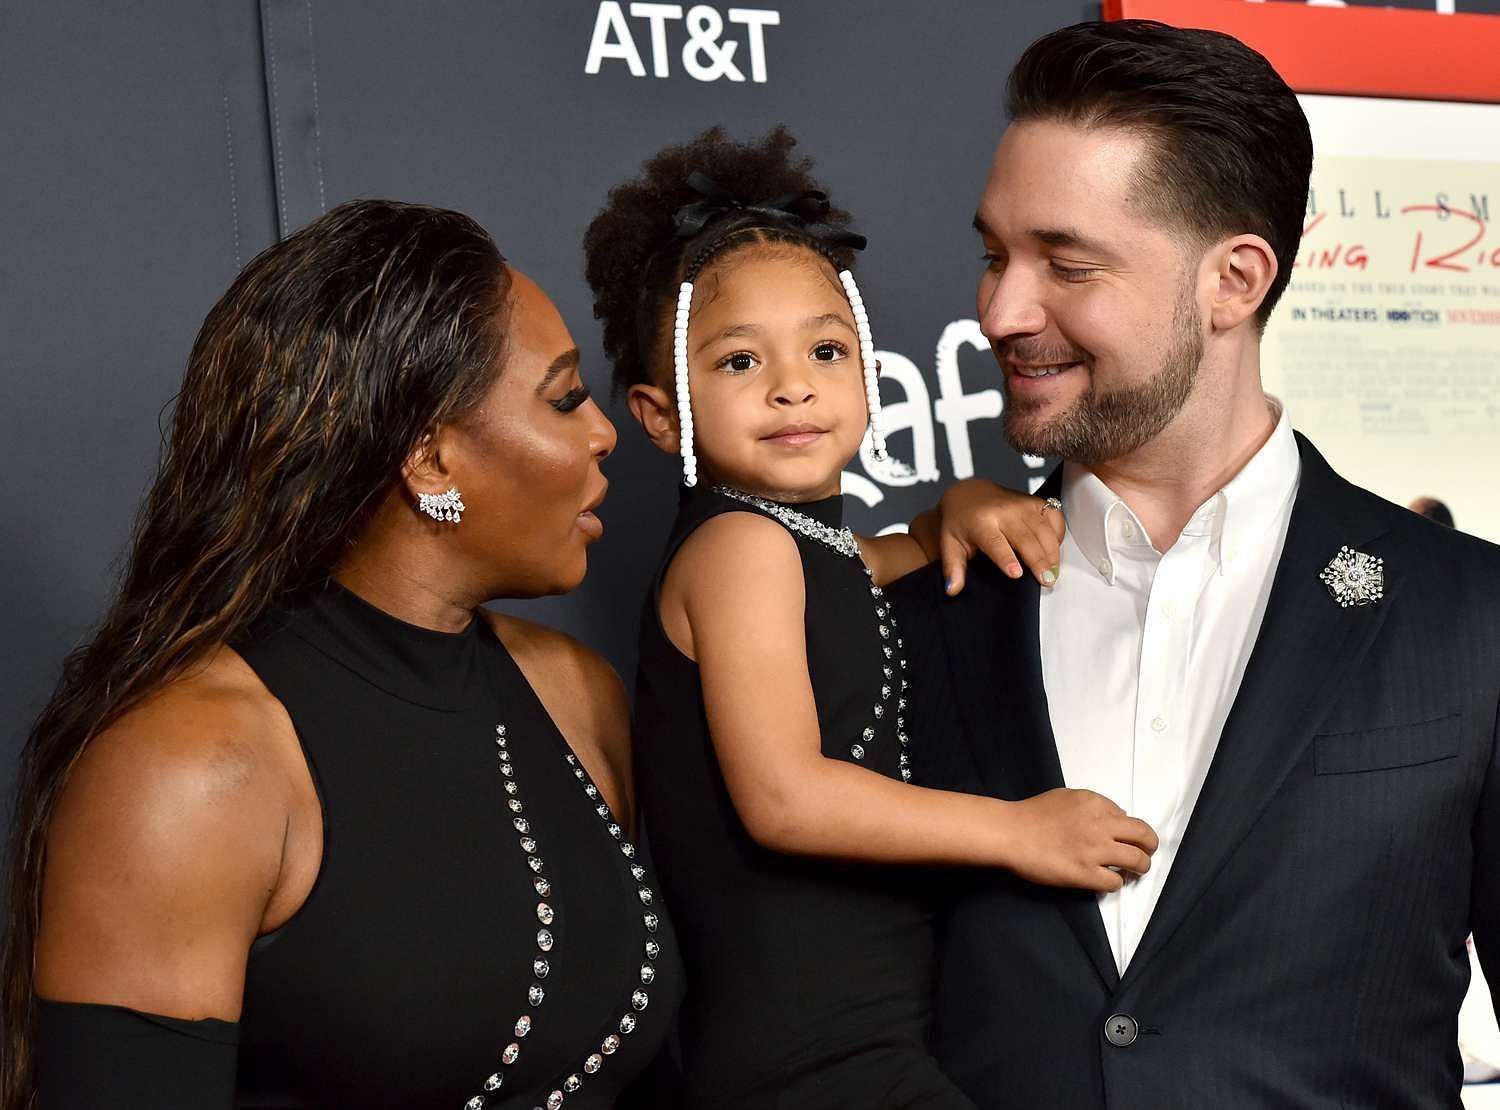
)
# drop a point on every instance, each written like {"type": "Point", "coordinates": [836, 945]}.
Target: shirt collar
{"type": "Point", "coordinates": [1103, 526]}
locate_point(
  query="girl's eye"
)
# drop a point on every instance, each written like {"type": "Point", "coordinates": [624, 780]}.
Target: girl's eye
{"type": "Point", "coordinates": [572, 399]}
{"type": "Point", "coordinates": [741, 362]}
{"type": "Point", "coordinates": [829, 351]}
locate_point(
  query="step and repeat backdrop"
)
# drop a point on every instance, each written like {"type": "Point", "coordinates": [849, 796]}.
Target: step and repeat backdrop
{"type": "Point", "coordinates": [149, 151]}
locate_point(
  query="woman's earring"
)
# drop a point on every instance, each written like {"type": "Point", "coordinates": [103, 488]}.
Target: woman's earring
{"type": "Point", "coordinates": [680, 374]}
{"type": "Point", "coordinates": [867, 361]}
{"type": "Point", "coordinates": [442, 506]}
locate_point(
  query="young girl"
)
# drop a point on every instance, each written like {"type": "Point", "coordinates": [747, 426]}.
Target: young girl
{"type": "Point", "coordinates": [773, 754]}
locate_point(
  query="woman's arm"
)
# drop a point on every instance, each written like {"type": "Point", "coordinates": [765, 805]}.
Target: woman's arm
{"type": "Point", "coordinates": [736, 589]}
{"type": "Point", "coordinates": [973, 516]}
{"type": "Point", "coordinates": [166, 856]}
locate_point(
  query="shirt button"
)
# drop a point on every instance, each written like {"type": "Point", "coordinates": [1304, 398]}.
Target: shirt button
{"type": "Point", "coordinates": [1121, 1030]}
{"type": "Point", "coordinates": [1128, 530]}
{"type": "Point", "coordinates": [1158, 725]}
{"type": "Point", "coordinates": [1168, 609]}
{"type": "Point", "coordinates": [1105, 567]}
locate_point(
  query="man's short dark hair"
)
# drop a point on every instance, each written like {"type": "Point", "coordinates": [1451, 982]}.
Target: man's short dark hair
{"type": "Point", "coordinates": [1231, 151]}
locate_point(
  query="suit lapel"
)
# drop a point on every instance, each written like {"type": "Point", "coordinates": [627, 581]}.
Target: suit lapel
{"type": "Point", "coordinates": [1306, 647]}
{"type": "Point", "coordinates": [995, 657]}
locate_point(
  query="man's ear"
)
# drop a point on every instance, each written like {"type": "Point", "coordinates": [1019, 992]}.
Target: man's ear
{"type": "Point", "coordinates": [426, 467]}
{"type": "Point", "coordinates": [1245, 267]}
{"type": "Point", "coordinates": [656, 412]}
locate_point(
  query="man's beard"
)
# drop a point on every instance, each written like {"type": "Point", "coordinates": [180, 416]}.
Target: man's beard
{"type": "Point", "coordinates": [1098, 426]}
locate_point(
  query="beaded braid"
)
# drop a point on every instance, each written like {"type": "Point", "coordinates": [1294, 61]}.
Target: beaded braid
{"type": "Point", "coordinates": [868, 364]}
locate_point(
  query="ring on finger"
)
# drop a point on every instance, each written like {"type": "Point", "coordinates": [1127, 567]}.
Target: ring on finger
{"type": "Point", "coordinates": [1052, 503]}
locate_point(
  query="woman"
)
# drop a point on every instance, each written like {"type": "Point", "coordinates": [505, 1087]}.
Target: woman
{"type": "Point", "coordinates": [303, 825]}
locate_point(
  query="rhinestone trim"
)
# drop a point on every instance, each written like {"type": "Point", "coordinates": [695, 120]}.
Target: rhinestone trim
{"type": "Point", "coordinates": [546, 941]}
{"type": "Point", "coordinates": [842, 540]}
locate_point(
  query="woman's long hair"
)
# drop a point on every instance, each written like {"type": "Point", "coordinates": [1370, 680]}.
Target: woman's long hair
{"type": "Point", "coordinates": [313, 378]}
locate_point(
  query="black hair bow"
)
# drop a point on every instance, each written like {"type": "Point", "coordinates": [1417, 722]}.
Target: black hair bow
{"type": "Point", "coordinates": [804, 211]}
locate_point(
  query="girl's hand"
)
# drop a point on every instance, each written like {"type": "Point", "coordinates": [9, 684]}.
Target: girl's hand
{"type": "Point", "coordinates": [1079, 839]}
{"type": "Point", "coordinates": [1011, 528]}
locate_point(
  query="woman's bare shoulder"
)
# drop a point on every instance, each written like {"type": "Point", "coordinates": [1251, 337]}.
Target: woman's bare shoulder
{"type": "Point", "coordinates": [166, 846]}
{"type": "Point", "coordinates": [582, 694]}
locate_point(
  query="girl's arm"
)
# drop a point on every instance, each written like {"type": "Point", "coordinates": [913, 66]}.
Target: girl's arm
{"type": "Point", "coordinates": [973, 516]}
{"type": "Point", "coordinates": [733, 600]}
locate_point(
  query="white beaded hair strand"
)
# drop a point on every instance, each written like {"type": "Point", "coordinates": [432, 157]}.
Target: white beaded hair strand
{"type": "Point", "coordinates": [867, 362]}
{"type": "Point", "coordinates": [680, 373]}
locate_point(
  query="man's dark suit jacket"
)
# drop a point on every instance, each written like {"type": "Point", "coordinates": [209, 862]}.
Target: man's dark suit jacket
{"type": "Point", "coordinates": [1308, 949]}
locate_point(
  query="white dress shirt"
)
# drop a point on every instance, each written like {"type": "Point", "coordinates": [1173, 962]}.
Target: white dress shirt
{"type": "Point", "coordinates": [1143, 652]}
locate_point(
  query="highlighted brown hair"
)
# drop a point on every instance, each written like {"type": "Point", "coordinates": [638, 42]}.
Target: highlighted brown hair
{"type": "Point", "coordinates": [313, 378]}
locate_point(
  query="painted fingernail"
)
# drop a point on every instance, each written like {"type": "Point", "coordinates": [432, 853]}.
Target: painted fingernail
{"type": "Point", "coordinates": [947, 585]}
{"type": "Point", "coordinates": [1014, 570]}
{"type": "Point", "coordinates": [1049, 576]}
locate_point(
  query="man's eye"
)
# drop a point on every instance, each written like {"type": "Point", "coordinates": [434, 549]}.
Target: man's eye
{"type": "Point", "coordinates": [1070, 273]}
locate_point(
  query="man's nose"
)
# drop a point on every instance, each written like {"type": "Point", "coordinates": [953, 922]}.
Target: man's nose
{"type": "Point", "coordinates": [1010, 305]}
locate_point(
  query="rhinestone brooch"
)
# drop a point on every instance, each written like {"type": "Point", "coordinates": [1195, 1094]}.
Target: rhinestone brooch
{"type": "Point", "coordinates": [1354, 578]}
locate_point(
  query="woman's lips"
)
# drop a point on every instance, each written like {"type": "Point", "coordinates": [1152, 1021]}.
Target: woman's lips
{"type": "Point", "coordinates": [588, 522]}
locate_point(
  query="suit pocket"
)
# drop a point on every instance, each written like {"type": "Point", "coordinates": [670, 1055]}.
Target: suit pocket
{"type": "Point", "coordinates": [1383, 749]}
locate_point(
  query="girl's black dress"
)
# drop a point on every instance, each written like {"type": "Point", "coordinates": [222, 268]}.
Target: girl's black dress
{"type": "Point", "coordinates": [481, 932]}
{"type": "Point", "coordinates": [809, 981]}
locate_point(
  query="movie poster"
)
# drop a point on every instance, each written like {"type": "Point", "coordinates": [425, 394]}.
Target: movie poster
{"type": "Point", "coordinates": [1386, 346]}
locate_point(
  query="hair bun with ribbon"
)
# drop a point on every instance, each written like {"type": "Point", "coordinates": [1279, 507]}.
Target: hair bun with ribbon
{"type": "Point", "coordinates": [803, 211]}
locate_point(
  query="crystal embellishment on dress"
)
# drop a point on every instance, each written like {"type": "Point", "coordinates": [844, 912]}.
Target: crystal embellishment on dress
{"type": "Point", "coordinates": [840, 539]}
{"type": "Point", "coordinates": [1354, 578]}
{"type": "Point", "coordinates": [843, 541]}
{"type": "Point", "coordinates": [545, 940]}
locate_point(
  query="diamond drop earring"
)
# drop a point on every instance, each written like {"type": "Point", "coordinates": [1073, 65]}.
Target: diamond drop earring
{"type": "Point", "coordinates": [442, 506]}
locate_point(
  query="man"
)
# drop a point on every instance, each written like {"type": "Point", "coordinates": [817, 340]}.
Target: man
{"type": "Point", "coordinates": [1294, 682]}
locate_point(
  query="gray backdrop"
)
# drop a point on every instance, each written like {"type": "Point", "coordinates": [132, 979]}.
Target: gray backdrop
{"type": "Point", "coordinates": [149, 151]}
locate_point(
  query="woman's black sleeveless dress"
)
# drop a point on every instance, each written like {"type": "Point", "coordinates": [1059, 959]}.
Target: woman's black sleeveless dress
{"type": "Point", "coordinates": [480, 934]}
{"type": "Point", "coordinates": [809, 981]}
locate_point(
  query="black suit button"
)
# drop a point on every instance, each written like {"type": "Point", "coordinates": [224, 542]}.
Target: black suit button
{"type": "Point", "coordinates": [1121, 1030]}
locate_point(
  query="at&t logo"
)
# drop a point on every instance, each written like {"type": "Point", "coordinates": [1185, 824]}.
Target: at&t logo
{"type": "Point", "coordinates": [706, 55]}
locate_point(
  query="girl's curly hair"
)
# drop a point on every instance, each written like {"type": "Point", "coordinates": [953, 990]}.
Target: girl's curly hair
{"type": "Point", "coordinates": [634, 260]}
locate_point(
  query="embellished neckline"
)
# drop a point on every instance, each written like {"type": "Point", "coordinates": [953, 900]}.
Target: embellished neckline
{"type": "Point", "coordinates": [423, 666]}
{"type": "Point", "coordinates": [821, 521]}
